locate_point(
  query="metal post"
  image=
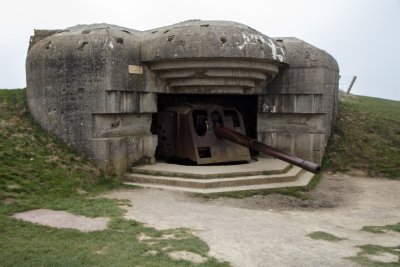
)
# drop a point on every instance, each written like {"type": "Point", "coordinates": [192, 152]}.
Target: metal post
{"type": "Point", "coordinates": [351, 84]}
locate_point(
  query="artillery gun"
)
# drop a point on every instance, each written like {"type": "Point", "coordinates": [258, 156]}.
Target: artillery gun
{"type": "Point", "coordinates": [209, 134]}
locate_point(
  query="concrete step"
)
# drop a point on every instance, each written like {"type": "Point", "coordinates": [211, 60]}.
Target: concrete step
{"type": "Point", "coordinates": [261, 173]}
{"type": "Point", "coordinates": [301, 179]}
{"type": "Point", "coordinates": [289, 176]}
{"type": "Point", "coordinates": [261, 166]}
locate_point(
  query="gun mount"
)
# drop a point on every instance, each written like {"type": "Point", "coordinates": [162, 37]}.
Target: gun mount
{"type": "Point", "coordinates": [208, 134]}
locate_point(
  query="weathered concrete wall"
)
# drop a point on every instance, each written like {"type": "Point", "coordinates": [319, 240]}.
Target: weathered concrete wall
{"type": "Point", "coordinates": [79, 88]}
{"type": "Point", "coordinates": [297, 109]}
{"type": "Point", "coordinates": [95, 86]}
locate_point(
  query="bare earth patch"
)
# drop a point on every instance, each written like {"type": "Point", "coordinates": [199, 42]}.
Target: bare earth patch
{"type": "Point", "coordinates": [63, 219]}
{"type": "Point", "coordinates": [272, 230]}
{"type": "Point", "coordinates": [384, 257]}
{"type": "Point", "coordinates": [187, 256]}
{"type": "Point", "coordinates": [8, 200]}
{"type": "Point", "coordinates": [144, 237]}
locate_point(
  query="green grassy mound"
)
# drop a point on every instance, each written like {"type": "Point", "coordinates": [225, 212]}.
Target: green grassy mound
{"type": "Point", "coordinates": [366, 137]}
{"type": "Point", "coordinates": [34, 163]}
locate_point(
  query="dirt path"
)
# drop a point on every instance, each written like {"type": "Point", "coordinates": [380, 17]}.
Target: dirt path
{"type": "Point", "coordinates": [272, 230]}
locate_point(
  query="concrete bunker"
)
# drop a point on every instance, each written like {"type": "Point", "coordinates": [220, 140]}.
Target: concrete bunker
{"type": "Point", "coordinates": [97, 87]}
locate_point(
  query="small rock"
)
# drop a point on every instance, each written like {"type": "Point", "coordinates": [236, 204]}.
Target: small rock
{"type": "Point", "coordinates": [81, 191]}
{"type": "Point", "coordinates": [143, 237]}
{"type": "Point", "coordinates": [150, 253]}
{"type": "Point", "coordinates": [14, 186]}
{"type": "Point", "coordinates": [8, 200]}
{"type": "Point", "coordinates": [102, 251]}
{"type": "Point", "coordinates": [166, 248]}
{"type": "Point", "coordinates": [168, 237]}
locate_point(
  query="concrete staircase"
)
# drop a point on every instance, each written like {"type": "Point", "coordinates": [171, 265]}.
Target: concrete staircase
{"type": "Point", "coordinates": [261, 174]}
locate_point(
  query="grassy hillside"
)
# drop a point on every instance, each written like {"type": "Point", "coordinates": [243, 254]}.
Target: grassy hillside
{"type": "Point", "coordinates": [366, 137]}
{"type": "Point", "coordinates": [32, 162]}
{"type": "Point", "coordinates": [37, 171]}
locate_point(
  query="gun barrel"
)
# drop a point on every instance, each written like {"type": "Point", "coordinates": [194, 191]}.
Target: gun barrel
{"type": "Point", "coordinates": [238, 138]}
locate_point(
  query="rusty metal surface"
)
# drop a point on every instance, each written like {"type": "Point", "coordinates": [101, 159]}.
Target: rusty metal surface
{"type": "Point", "coordinates": [208, 134]}
{"type": "Point", "coordinates": [194, 134]}
{"type": "Point", "coordinates": [238, 138]}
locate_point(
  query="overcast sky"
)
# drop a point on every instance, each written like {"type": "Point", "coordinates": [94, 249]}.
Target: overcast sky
{"type": "Point", "coordinates": [363, 35]}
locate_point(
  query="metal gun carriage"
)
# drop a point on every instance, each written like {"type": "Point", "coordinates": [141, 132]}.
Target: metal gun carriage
{"type": "Point", "coordinates": [210, 134]}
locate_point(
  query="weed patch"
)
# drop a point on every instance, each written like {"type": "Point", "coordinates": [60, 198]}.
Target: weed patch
{"type": "Point", "coordinates": [320, 235]}
{"type": "Point", "coordinates": [366, 256]}
{"type": "Point", "coordinates": [382, 229]}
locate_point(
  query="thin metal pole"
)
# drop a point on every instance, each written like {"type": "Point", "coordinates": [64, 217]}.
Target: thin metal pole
{"type": "Point", "coordinates": [351, 84]}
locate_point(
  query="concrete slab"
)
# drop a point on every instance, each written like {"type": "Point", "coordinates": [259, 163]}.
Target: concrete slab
{"type": "Point", "coordinates": [63, 219]}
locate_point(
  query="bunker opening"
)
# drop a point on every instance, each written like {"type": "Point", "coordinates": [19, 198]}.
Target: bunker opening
{"type": "Point", "coordinates": [185, 127]}
{"type": "Point", "coordinates": [210, 129]}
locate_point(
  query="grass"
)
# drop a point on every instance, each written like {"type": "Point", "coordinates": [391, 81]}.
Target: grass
{"type": "Point", "coordinates": [320, 235]}
{"type": "Point", "coordinates": [368, 250]}
{"type": "Point", "coordinates": [366, 137]}
{"type": "Point", "coordinates": [382, 229]}
{"type": "Point", "coordinates": [363, 257]}
{"type": "Point", "coordinates": [33, 162]}
{"type": "Point", "coordinates": [37, 171]}
{"type": "Point", "coordinates": [26, 244]}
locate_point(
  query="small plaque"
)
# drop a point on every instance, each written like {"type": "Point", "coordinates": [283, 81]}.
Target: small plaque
{"type": "Point", "coordinates": [135, 69]}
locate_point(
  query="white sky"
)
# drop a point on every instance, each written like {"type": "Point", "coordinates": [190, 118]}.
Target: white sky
{"type": "Point", "coordinates": [363, 35]}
